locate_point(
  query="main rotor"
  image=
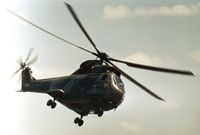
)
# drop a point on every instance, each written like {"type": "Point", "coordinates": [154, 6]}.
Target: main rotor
{"type": "Point", "coordinates": [104, 57]}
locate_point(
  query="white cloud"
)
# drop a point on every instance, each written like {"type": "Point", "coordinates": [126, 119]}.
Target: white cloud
{"type": "Point", "coordinates": [194, 56]}
{"type": "Point", "coordinates": [150, 59]}
{"type": "Point", "coordinates": [116, 11]}
{"type": "Point", "coordinates": [135, 128]}
{"type": "Point", "coordinates": [123, 11]}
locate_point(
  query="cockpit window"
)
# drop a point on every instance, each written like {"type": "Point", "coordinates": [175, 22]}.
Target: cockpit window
{"type": "Point", "coordinates": [118, 82]}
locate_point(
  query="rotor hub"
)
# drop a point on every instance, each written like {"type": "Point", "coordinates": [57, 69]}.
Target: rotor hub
{"type": "Point", "coordinates": [22, 66]}
{"type": "Point", "coordinates": [103, 56]}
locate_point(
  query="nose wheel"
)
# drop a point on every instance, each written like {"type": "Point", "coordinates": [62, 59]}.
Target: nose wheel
{"type": "Point", "coordinates": [100, 113]}
{"type": "Point", "coordinates": [51, 103]}
{"type": "Point", "coordinates": [79, 121]}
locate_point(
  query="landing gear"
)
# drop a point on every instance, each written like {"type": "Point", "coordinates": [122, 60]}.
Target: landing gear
{"type": "Point", "coordinates": [100, 113]}
{"type": "Point", "coordinates": [79, 121]}
{"type": "Point", "coordinates": [51, 103]}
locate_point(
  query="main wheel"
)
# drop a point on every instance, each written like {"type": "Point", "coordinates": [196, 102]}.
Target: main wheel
{"type": "Point", "coordinates": [53, 105]}
{"type": "Point", "coordinates": [76, 120]}
{"type": "Point", "coordinates": [49, 102]}
{"type": "Point", "coordinates": [80, 123]}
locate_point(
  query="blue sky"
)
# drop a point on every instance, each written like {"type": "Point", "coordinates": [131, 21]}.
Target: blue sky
{"type": "Point", "coordinates": [160, 33]}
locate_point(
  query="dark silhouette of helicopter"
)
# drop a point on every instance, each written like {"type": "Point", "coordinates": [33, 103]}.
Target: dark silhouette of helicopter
{"type": "Point", "coordinates": [93, 88]}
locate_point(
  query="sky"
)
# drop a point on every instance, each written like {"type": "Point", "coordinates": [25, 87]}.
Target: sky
{"type": "Point", "coordinates": [159, 33]}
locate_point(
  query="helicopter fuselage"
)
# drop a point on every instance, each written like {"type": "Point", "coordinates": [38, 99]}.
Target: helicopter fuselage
{"type": "Point", "coordinates": [83, 92]}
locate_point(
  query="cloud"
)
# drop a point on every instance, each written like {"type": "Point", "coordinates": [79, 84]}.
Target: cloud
{"type": "Point", "coordinates": [151, 59]}
{"type": "Point", "coordinates": [194, 56]}
{"type": "Point", "coordinates": [135, 128]}
{"type": "Point", "coordinates": [116, 11]}
{"type": "Point", "coordinates": [123, 11]}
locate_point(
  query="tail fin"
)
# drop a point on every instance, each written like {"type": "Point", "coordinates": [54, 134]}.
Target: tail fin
{"type": "Point", "coordinates": [26, 78]}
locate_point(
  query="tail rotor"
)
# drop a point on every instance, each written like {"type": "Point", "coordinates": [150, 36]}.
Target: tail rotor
{"type": "Point", "coordinates": [24, 65]}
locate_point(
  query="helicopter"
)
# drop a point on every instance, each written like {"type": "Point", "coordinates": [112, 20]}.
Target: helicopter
{"type": "Point", "coordinates": [94, 88]}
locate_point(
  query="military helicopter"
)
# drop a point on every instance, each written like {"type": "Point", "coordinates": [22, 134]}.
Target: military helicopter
{"type": "Point", "coordinates": [93, 88]}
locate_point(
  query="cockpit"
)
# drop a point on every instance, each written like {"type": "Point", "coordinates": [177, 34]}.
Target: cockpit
{"type": "Point", "coordinates": [117, 82]}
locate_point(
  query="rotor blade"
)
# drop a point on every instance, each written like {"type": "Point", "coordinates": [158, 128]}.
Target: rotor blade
{"type": "Point", "coordinates": [32, 61]}
{"type": "Point", "coordinates": [13, 74]}
{"type": "Point", "coordinates": [19, 61]}
{"type": "Point", "coordinates": [158, 69]}
{"type": "Point", "coordinates": [70, 43]}
{"type": "Point", "coordinates": [136, 82]}
{"type": "Point", "coordinates": [81, 26]}
{"type": "Point", "coordinates": [29, 55]}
